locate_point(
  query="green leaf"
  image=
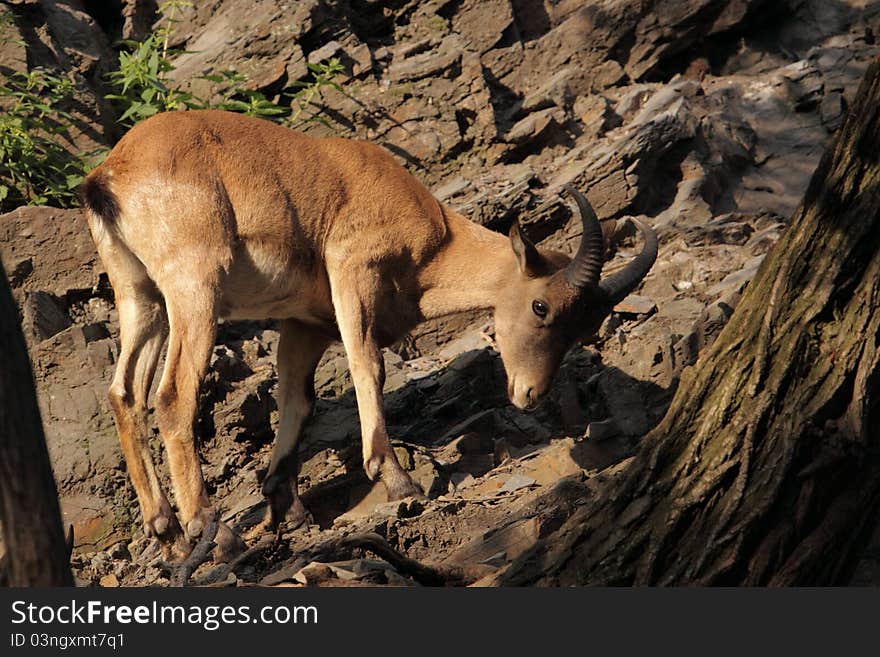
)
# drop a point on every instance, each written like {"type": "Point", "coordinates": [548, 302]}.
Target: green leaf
{"type": "Point", "coordinates": [133, 109]}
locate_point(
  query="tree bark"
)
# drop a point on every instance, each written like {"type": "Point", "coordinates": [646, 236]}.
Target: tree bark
{"type": "Point", "coordinates": [30, 518]}
{"type": "Point", "coordinates": [766, 468]}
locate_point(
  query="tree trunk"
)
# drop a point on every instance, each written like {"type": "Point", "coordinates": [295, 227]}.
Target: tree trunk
{"type": "Point", "coordinates": [766, 468]}
{"type": "Point", "coordinates": [30, 519]}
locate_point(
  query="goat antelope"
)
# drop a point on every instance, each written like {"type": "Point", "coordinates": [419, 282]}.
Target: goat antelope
{"type": "Point", "coordinates": [204, 214]}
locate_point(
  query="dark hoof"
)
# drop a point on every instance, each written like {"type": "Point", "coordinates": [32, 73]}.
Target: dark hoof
{"type": "Point", "coordinates": [397, 482]}
{"type": "Point", "coordinates": [298, 515]}
{"type": "Point", "coordinates": [284, 505]}
{"type": "Point", "coordinates": [400, 486]}
{"type": "Point", "coordinates": [169, 537]}
{"type": "Point", "coordinates": [284, 508]}
{"type": "Point", "coordinates": [228, 544]}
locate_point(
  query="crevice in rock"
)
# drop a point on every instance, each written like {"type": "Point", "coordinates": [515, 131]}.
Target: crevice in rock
{"type": "Point", "coordinates": [620, 51]}
{"type": "Point", "coordinates": [665, 175]}
{"type": "Point", "coordinates": [531, 19]}
{"type": "Point", "coordinates": [759, 28]}
{"type": "Point", "coordinates": [449, 9]}
{"type": "Point", "coordinates": [373, 22]}
{"type": "Point", "coordinates": [109, 16]}
{"type": "Point", "coordinates": [503, 100]}
{"type": "Point", "coordinates": [509, 36]}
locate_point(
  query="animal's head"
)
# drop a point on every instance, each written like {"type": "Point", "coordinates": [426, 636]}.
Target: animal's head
{"type": "Point", "coordinates": [554, 300]}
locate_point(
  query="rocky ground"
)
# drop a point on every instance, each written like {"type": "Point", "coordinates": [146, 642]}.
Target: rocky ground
{"type": "Point", "coordinates": [704, 117]}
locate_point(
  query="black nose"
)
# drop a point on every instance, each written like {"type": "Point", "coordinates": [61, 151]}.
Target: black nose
{"type": "Point", "coordinates": [532, 399]}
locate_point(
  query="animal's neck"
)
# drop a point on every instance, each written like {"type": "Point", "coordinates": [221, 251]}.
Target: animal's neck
{"type": "Point", "coordinates": [468, 272]}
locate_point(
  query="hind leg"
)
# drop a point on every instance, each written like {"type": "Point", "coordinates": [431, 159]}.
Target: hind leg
{"type": "Point", "coordinates": [143, 328]}
{"type": "Point", "coordinates": [299, 349]}
{"type": "Point", "coordinates": [192, 318]}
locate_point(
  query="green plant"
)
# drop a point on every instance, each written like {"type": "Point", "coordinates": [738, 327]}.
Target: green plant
{"type": "Point", "coordinates": [35, 167]}
{"type": "Point", "coordinates": [142, 84]}
{"type": "Point", "coordinates": [245, 101]}
{"type": "Point", "coordinates": [323, 75]}
{"type": "Point", "coordinates": [143, 87]}
{"type": "Point", "coordinates": [7, 23]}
{"type": "Point", "coordinates": [299, 95]}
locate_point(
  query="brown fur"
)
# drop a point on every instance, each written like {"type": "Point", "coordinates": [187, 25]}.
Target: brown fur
{"type": "Point", "coordinates": [206, 214]}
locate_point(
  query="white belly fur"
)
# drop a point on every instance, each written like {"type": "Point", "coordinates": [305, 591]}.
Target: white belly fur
{"type": "Point", "coordinates": [259, 286]}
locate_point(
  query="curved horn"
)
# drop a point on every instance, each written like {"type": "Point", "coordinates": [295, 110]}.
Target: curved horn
{"type": "Point", "coordinates": [586, 267]}
{"type": "Point", "coordinates": [618, 285]}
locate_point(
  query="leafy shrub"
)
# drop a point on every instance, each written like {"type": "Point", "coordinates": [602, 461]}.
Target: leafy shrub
{"type": "Point", "coordinates": [36, 163]}
{"type": "Point", "coordinates": [323, 76]}
{"type": "Point", "coordinates": [143, 86]}
{"type": "Point", "coordinates": [244, 101]}
{"type": "Point", "coordinates": [144, 89]}
{"type": "Point", "coordinates": [141, 80]}
{"type": "Point", "coordinates": [35, 167]}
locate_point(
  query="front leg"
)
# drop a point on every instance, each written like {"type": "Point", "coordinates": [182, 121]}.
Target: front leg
{"type": "Point", "coordinates": [354, 303]}
{"type": "Point", "coordinates": [299, 350]}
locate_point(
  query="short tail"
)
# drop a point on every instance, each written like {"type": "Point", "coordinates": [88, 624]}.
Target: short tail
{"type": "Point", "coordinates": [96, 196]}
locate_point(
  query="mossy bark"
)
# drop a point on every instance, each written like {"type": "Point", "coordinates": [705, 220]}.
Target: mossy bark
{"type": "Point", "coordinates": [30, 519]}
{"type": "Point", "coordinates": [766, 468]}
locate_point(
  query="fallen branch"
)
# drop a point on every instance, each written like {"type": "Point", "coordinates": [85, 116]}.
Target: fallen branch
{"type": "Point", "coordinates": [425, 575]}
{"type": "Point", "coordinates": [222, 571]}
{"type": "Point", "coordinates": [199, 555]}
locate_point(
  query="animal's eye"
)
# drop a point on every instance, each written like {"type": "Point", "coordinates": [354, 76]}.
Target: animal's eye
{"type": "Point", "coordinates": [539, 308]}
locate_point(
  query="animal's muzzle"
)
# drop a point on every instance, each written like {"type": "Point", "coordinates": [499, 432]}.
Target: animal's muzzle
{"type": "Point", "coordinates": [522, 395]}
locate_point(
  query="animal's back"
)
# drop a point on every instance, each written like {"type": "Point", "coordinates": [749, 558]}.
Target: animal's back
{"type": "Point", "coordinates": [269, 205]}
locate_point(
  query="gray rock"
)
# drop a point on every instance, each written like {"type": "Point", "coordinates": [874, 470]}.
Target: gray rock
{"type": "Point", "coordinates": [326, 51]}
{"type": "Point", "coordinates": [555, 91]}
{"type": "Point", "coordinates": [44, 316]}
{"type": "Point", "coordinates": [516, 482]}
{"type": "Point", "coordinates": [425, 64]}
{"type": "Point", "coordinates": [534, 125]}
{"type": "Point", "coordinates": [482, 23]}
{"type": "Point", "coordinates": [738, 279]}
{"type": "Point", "coordinates": [53, 247]}
{"type": "Point", "coordinates": [685, 352]}
{"type": "Point", "coordinates": [632, 100]}
{"type": "Point", "coordinates": [610, 326]}
{"type": "Point", "coordinates": [474, 442]}
{"type": "Point", "coordinates": [595, 114]}
{"type": "Point", "coordinates": [245, 413]}
{"type": "Point", "coordinates": [452, 188]}
{"type": "Point", "coordinates": [713, 320]}
{"type": "Point", "coordinates": [404, 457]}
{"type": "Point", "coordinates": [102, 353]}
{"type": "Point", "coordinates": [461, 480]}
{"type": "Point", "coordinates": [636, 305]}
{"type": "Point", "coordinates": [832, 109]}
{"type": "Point", "coordinates": [482, 422]}
{"type": "Point", "coordinates": [429, 480]}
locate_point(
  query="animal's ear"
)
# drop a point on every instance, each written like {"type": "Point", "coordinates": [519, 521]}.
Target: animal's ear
{"type": "Point", "coordinates": [526, 254]}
